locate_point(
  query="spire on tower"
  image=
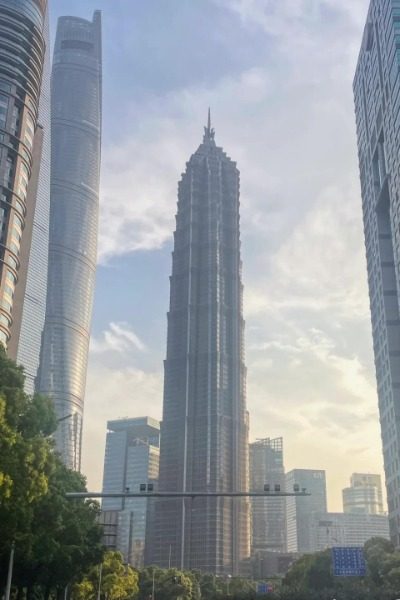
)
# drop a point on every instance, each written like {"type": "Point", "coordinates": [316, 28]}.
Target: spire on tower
{"type": "Point", "coordinates": [209, 132]}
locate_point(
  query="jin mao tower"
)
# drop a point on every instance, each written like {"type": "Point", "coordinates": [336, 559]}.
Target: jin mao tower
{"type": "Point", "coordinates": [204, 433]}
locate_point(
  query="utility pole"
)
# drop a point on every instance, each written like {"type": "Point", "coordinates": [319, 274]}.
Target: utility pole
{"type": "Point", "coordinates": [99, 588]}
{"type": "Point", "coordinates": [153, 586]}
{"type": "Point", "coordinates": [10, 572]}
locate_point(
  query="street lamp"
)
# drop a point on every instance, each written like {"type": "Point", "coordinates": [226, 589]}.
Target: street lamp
{"type": "Point", "coordinates": [228, 580]}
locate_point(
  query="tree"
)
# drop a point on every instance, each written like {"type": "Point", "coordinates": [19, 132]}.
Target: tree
{"type": "Point", "coordinates": [169, 584]}
{"type": "Point", "coordinates": [26, 456]}
{"type": "Point", "coordinates": [56, 539]}
{"type": "Point", "coordinates": [66, 540]}
{"type": "Point", "coordinates": [118, 581]}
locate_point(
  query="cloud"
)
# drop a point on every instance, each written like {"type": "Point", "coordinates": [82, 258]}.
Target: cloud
{"type": "Point", "coordinates": [117, 338]}
{"type": "Point", "coordinates": [114, 392]}
{"type": "Point", "coordinates": [287, 117]}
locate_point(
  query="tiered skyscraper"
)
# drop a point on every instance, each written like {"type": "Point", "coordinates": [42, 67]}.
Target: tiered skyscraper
{"type": "Point", "coordinates": [24, 181]}
{"type": "Point", "coordinates": [377, 105]}
{"type": "Point", "coordinates": [75, 171]}
{"type": "Point", "coordinates": [204, 432]}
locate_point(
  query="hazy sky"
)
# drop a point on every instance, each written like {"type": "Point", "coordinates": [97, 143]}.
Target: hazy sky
{"type": "Point", "coordinates": [278, 77]}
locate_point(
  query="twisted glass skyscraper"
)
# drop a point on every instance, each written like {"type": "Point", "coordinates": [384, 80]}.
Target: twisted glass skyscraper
{"type": "Point", "coordinates": [75, 171]}
{"type": "Point", "coordinates": [204, 431]}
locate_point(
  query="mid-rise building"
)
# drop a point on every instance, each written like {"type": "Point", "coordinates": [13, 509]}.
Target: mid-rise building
{"type": "Point", "coordinates": [204, 432]}
{"type": "Point", "coordinates": [346, 529]}
{"type": "Point", "coordinates": [22, 144]}
{"type": "Point", "coordinates": [300, 509]}
{"type": "Point", "coordinates": [377, 107]}
{"type": "Point", "coordinates": [131, 459]}
{"type": "Point", "coordinates": [75, 174]}
{"type": "Point", "coordinates": [364, 495]}
{"type": "Point", "coordinates": [268, 515]}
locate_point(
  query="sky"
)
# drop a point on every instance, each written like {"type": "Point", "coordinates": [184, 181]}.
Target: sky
{"type": "Point", "coordinates": [277, 75]}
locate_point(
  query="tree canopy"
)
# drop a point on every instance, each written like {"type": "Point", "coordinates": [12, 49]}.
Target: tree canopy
{"type": "Point", "coordinates": [56, 539]}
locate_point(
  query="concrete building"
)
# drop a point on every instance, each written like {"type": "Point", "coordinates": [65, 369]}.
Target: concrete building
{"type": "Point", "coordinates": [204, 432]}
{"type": "Point", "coordinates": [300, 510]}
{"type": "Point", "coordinates": [268, 515]}
{"type": "Point", "coordinates": [131, 459]}
{"type": "Point", "coordinates": [346, 529]}
{"type": "Point", "coordinates": [22, 140]}
{"type": "Point", "coordinates": [75, 172]}
{"type": "Point", "coordinates": [364, 495]}
{"type": "Point", "coordinates": [377, 108]}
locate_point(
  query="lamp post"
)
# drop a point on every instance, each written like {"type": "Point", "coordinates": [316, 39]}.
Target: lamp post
{"type": "Point", "coordinates": [10, 572]}
{"type": "Point", "coordinates": [228, 580]}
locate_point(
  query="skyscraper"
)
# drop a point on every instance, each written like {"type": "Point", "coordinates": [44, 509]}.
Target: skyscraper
{"type": "Point", "coordinates": [364, 495]}
{"type": "Point", "coordinates": [22, 55]}
{"type": "Point", "coordinates": [268, 514]}
{"type": "Point", "coordinates": [204, 432]}
{"type": "Point", "coordinates": [300, 510]}
{"type": "Point", "coordinates": [377, 104]}
{"type": "Point", "coordinates": [75, 171]}
{"type": "Point", "coordinates": [131, 459]}
{"type": "Point", "coordinates": [26, 335]}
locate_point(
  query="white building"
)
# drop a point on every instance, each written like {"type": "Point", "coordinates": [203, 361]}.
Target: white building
{"type": "Point", "coordinates": [346, 529]}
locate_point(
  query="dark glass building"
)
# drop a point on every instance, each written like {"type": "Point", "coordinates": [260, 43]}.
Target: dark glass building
{"type": "Point", "coordinates": [268, 514]}
{"type": "Point", "coordinates": [377, 107]}
{"type": "Point", "coordinates": [75, 172]}
{"type": "Point", "coordinates": [204, 431]}
{"type": "Point", "coordinates": [22, 55]}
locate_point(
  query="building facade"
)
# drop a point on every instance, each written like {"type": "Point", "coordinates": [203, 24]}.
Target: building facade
{"type": "Point", "coordinates": [204, 432]}
{"type": "Point", "coordinates": [22, 58]}
{"type": "Point", "coordinates": [268, 515]}
{"type": "Point", "coordinates": [25, 344]}
{"type": "Point", "coordinates": [364, 495]}
{"type": "Point", "coordinates": [131, 459]}
{"type": "Point", "coordinates": [346, 529]}
{"type": "Point", "coordinates": [75, 173]}
{"type": "Point", "coordinates": [377, 108]}
{"type": "Point", "coordinates": [300, 509]}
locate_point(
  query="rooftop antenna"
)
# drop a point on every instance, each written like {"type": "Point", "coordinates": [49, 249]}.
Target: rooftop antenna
{"type": "Point", "coordinates": [209, 132]}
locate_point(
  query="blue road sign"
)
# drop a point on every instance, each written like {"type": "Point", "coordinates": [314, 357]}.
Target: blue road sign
{"type": "Point", "coordinates": [348, 562]}
{"type": "Point", "coordinates": [262, 588]}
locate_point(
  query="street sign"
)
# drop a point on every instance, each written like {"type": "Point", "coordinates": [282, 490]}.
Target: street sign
{"type": "Point", "coordinates": [348, 562]}
{"type": "Point", "coordinates": [264, 588]}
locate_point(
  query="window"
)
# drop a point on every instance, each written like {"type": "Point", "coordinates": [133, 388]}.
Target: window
{"type": "Point", "coordinates": [3, 110]}
{"type": "Point", "coordinates": [12, 262]}
{"type": "Point", "coordinates": [8, 172]}
{"type": "Point", "coordinates": [29, 132]}
{"type": "Point", "coordinates": [23, 181]}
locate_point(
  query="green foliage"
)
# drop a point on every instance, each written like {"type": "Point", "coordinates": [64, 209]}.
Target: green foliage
{"type": "Point", "coordinates": [56, 540]}
{"type": "Point", "coordinates": [25, 450]}
{"type": "Point", "coordinates": [310, 577]}
{"type": "Point", "coordinates": [118, 581]}
{"type": "Point", "coordinates": [169, 584]}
